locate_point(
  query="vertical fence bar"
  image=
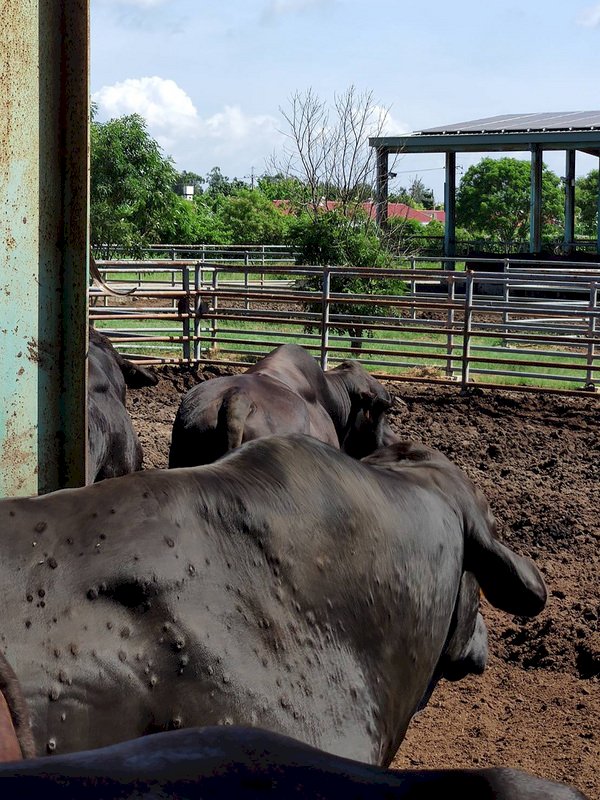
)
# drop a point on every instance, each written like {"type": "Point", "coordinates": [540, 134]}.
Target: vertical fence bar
{"type": "Point", "coordinates": [466, 348]}
{"type": "Point", "coordinates": [325, 317]}
{"type": "Point", "coordinates": [197, 311]}
{"type": "Point", "coordinates": [450, 321]}
{"type": "Point", "coordinates": [215, 304]}
{"type": "Point", "coordinates": [246, 267]}
{"type": "Point", "coordinates": [184, 306]}
{"type": "Point", "coordinates": [505, 299]}
{"type": "Point", "coordinates": [174, 300]}
{"type": "Point", "coordinates": [590, 381]}
{"type": "Point", "coordinates": [413, 289]}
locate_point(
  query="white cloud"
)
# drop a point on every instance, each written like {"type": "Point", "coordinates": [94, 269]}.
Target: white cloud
{"type": "Point", "coordinates": [230, 139]}
{"type": "Point", "coordinates": [161, 102]}
{"type": "Point", "coordinates": [590, 17]}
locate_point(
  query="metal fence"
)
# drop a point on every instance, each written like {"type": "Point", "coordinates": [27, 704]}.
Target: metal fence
{"type": "Point", "coordinates": [523, 327]}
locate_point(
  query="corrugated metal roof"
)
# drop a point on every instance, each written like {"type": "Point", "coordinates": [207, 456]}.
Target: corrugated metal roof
{"type": "Point", "coordinates": [547, 121]}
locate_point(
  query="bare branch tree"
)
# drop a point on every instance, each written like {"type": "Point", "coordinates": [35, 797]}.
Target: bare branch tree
{"type": "Point", "coordinates": [329, 150]}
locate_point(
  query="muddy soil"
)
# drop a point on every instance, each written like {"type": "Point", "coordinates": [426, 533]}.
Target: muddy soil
{"type": "Point", "coordinates": [537, 459]}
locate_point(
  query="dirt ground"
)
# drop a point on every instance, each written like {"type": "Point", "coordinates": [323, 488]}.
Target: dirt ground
{"type": "Point", "coordinates": [537, 458]}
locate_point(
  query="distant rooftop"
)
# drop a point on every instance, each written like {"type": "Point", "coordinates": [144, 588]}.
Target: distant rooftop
{"type": "Point", "coordinates": [558, 130]}
{"type": "Point", "coordinates": [555, 121]}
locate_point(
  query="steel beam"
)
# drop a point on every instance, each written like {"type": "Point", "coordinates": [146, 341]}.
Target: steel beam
{"type": "Point", "coordinates": [450, 208]}
{"type": "Point", "coordinates": [598, 221]}
{"type": "Point", "coordinates": [43, 261]}
{"type": "Point", "coordinates": [535, 207]}
{"type": "Point", "coordinates": [569, 201]}
{"type": "Point", "coordinates": [381, 188]}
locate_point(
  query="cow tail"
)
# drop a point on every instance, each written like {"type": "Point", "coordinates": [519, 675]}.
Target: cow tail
{"type": "Point", "coordinates": [235, 410]}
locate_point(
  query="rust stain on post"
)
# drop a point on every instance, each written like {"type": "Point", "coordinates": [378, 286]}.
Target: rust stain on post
{"type": "Point", "coordinates": [43, 223]}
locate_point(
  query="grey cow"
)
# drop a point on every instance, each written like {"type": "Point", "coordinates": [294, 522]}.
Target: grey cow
{"type": "Point", "coordinates": [248, 763]}
{"type": "Point", "coordinates": [286, 586]}
{"type": "Point", "coordinates": [284, 392]}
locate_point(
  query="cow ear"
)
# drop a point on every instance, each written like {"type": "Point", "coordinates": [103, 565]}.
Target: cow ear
{"type": "Point", "coordinates": [510, 582]}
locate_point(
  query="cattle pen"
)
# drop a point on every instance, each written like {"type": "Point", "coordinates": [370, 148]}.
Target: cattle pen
{"type": "Point", "coordinates": [529, 327]}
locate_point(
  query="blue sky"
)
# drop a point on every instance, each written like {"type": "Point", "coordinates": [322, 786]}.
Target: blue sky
{"type": "Point", "coordinates": [211, 76]}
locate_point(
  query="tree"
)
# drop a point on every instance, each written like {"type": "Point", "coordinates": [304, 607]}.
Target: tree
{"type": "Point", "coordinates": [186, 178]}
{"type": "Point", "coordinates": [283, 187]}
{"type": "Point", "coordinates": [328, 153]}
{"type": "Point", "coordinates": [328, 150]}
{"type": "Point", "coordinates": [334, 239]}
{"type": "Point", "coordinates": [251, 218]}
{"type": "Point", "coordinates": [494, 198]}
{"type": "Point", "coordinates": [417, 195]}
{"type": "Point", "coordinates": [219, 184]}
{"type": "Point", "coordinates": [586, 202]}
{"type": "Point", "coordinates": [131, 185]}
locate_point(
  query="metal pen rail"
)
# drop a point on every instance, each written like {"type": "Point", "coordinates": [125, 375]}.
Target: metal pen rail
{"type": "Point", "coordinates": [530, 326]}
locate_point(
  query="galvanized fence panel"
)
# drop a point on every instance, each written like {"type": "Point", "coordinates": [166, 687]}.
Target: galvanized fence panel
{"type": "Point", "coordinates": [529, 326]}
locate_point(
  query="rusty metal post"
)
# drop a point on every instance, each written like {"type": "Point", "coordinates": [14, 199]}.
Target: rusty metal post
{"type": "Point", "coordinates": [466, 348]}
{"type": "Point", "coordinates": [44, 254]}
{"type": "Point", "coordinates": [450, 323]}
{"type": "Point", "coordinates": [325, 300]}
{"type": "Point", "coordinates": [590, 375]}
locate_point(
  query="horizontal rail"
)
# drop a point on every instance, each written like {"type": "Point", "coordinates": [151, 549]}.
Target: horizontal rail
{"type": "Point", "coordinates": [520, 324]}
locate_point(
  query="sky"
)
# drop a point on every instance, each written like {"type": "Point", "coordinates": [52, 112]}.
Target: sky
{"type": "Point", "coordinates": [212, 78]}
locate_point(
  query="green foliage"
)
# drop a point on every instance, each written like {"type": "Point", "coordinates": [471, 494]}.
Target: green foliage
{"type": "Point", "coordinates": [403, 236]}
{"type": "Point", "coordinates": [586, 203]}
{"type": "Point", "coordinates": [186, 178]}
{"type": "Point", "coordinates": [132, 199]}
{"type": "Point", "coordinates": [218, 184]}
{"type": "Point", "coordinates": [333, 239]}
{"type": "Point", "coordinates": [251, 218]}
{"type": "Point", "coordinates": [494, 198]}
{"type": "Point", "coordinates": [282, 187]}
{"type": "Point", "coordinates": [417, 195]}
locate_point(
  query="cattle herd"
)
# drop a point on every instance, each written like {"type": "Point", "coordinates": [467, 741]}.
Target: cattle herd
{"type": "Point", "coordinates": [263, 618]}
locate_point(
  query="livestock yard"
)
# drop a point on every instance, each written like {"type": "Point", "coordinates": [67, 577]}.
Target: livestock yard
{"type": "Point", "coordinates": [537, 458]}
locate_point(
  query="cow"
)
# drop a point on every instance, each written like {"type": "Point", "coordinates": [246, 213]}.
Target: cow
{"type": "Point", "coordinates": [113, 445]}
{"type": "Point", "coordinates": [248, 763]}
{"type": "Point", "coordinates": [286, 586]}
{"type": "Point", "coordinates": [284, 392]}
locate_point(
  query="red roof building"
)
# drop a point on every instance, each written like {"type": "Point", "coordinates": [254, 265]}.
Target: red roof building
{"type": "Point", "coordinates": [424, 216]}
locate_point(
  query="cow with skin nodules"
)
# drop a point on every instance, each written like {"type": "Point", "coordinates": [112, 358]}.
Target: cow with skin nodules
{"type": "Point", "coordinates": [287, 586]}
{"type": "Point", "coordinates": [284, 392]}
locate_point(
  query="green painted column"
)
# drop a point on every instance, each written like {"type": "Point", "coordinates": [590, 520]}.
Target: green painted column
{"type": "Point", "coordinates": [44, 158]}
{"type": "Point", "coordinates": [598, 221]}
{"type": "Point", "coordinates": [535, 208]}
{"type": "Point", "coordinates": [450, 209]}
{"type": "Point", "coordinates": [381, 187]}
{"type": "Point", "coordinates": [569, 201]}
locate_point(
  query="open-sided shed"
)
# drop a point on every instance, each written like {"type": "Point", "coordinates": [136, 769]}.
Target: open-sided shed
{"type": "Point", "coordinates": [569, 131]}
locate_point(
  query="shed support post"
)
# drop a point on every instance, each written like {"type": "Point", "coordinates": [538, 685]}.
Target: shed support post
{"type": "Point", "coordinates": [569, 201]}
{"type": "Point", "coordinates": [450, 209]}
{"type": "Point", "coordinates": [535, 208]}
{"type": "Point", "coordinates": [598, 230]}
{"type": "Point", "coordinates": [381, 188]}
{"type": "Point", "coordinates": [44, 258]}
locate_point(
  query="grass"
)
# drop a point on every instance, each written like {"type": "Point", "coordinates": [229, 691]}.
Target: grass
{"type": "Point", "coordinates": [423, 351]}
